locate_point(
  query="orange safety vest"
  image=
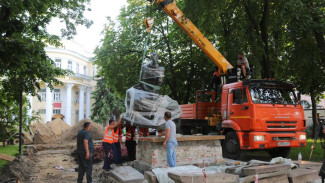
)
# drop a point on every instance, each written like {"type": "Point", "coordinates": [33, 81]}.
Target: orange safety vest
{"type": "Point", "coordinates": [117, 135]}
{"type": "Point", "coordinates": [108, 137]}
{"type": "Point", "coordinates": [129, 133]}
{"type": "Point", "coordinates": [142, 131]}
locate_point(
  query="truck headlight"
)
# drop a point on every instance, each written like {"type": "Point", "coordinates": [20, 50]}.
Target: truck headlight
{"type": "Point", "coordinates": [259, 138]}
{"type": "Point", "coordinates": [302, 137]}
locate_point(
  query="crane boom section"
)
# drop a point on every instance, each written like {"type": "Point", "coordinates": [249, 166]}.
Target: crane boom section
{"type": "Point", "coordinates": [170, 7]}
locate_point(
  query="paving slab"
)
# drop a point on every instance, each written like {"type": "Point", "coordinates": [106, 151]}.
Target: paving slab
{"type": "Point", "coordinates": [211, 177]}
{"type": "Point", "coordinates": [150, 177]}
{"type": "Point", "coordinates": [142, 166]}
{"type": "Point", "coordinates": [263, 169]}
{"type": "Point", "coordinates": [301, 175]}
{"type": "Point", "coordinates": [7, 157]}
{"type": "Point", "coordinates": [277, 179]}
{"type": "Point", "coordinates": [127, 174]}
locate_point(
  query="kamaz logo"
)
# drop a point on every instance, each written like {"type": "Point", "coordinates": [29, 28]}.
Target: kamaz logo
{"type": "Point", "coordinates": [282, 124]}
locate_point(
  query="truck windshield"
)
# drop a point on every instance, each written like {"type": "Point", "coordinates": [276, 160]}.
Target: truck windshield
{"type": "Point", "coordinates": [262, 94]}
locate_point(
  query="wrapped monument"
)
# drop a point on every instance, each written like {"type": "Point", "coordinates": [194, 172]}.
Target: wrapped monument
{"type": "Point", "coordinates": [145, 107]}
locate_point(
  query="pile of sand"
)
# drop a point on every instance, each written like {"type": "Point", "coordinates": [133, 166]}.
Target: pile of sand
{"type": "Point", "coordinates": [97, 131]}
{"type": "Point", "coordinates": [57, 126]}
{"type": "Point", "coordinates": [42, 134]}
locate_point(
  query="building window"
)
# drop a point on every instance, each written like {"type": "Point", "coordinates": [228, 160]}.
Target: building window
{"type": "Point", "coordinates": [56, 95]}
{"type": "Point", "coordinates": [58, 62]}
{"type": "Point", "coordinates": [93, 71]}
{"type": "Point", "coordinates": [77, 68]}
{"type": "Point", "coordinates": [70, 65]}
{"type": "Point", "coordinates": [84, 98]}
{"type": "Point", "coordinates": [77, 115]}
{"type": "Point", "coordinates": [85, 70]}
{"type": "Point", "coordinates": [42, 94]}
{"type": "Point", "coordinates": [41, 111]}
{"type": "Point", "coordinates": [56, 111]}
{"type": "Point", "coordinates": [76, 101]}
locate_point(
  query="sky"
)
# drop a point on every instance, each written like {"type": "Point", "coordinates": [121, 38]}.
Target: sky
{"type": "Point", "coordinates": [90, 38]}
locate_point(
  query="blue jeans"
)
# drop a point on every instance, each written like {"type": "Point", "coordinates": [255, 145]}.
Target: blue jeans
{"type": "Point", "coordinates": [171, 152]}
{"type": "Point", "coordinates": [117, 154]}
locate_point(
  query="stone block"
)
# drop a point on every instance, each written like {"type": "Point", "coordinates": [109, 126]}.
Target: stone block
{"type": "Point", "coordinates": [142, 166]}
{"type": "Point", "coordinates": [127, 174]}
{"type": "Point", "coordinates": [198, 177]}
{"type": "Point", "coordinates": [277, 179]}
{"type": "Point", "coordinates": [150, 177]}
{"type": "Point", "coordinates": [301, 175]}
{"type": "Point", "coordinates": [265, 169]}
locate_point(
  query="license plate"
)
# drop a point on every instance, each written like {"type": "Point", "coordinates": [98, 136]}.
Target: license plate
{"type": "Point", "coordinates": [283, 143]}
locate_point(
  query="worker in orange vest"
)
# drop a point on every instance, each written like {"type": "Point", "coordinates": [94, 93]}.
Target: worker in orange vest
{"type": "Point", "coordinates": [130, 142]}
{"type": "Point", "coordinates": [117, 138]}
{"type": "Point", "coordinates": [143, 132]}
{"type": "Point", "coordinates": [108, 141]}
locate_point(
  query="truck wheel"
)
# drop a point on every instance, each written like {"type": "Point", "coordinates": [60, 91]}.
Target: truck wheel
{"type": "Point", "coordinates": [280, 151]}
{"type": "Point", "coordinates": [231, 146]}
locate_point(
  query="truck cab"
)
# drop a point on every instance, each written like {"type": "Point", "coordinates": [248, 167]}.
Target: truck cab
{"type": "Point", "coordinates": [261, 114]}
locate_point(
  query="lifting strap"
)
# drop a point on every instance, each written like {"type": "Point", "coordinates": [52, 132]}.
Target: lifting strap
{"type": "Point", "coordinates": [149, 23]}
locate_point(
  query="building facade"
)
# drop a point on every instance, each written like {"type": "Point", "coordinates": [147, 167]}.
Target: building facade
{"type": "Point", "coordinates": [306, 103]}
{"type": "Point", "coordinates": [73, 98]}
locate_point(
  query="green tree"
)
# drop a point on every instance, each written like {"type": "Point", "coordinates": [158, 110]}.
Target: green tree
{"type": "Point", "coordinates": [23, 36]}
{"type": "Point", "coordinates": [120, 55]}
{"type": "Point", "coordinates": [9, 116]}
{"type": "Point", "coordinates": [107, 103]}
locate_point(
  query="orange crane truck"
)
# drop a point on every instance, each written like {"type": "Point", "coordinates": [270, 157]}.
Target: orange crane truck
{"type": "Point", "coordinates": [253, 114]}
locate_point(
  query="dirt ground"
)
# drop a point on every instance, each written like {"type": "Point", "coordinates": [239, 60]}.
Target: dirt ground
{"type": "Point", "coordinates": [39, 163]}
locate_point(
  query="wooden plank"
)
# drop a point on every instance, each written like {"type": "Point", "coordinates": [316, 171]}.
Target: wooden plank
{"type": "Point", "coordinates": [7, 157]}
{"type": "Point", "coordinates": [184, 138]}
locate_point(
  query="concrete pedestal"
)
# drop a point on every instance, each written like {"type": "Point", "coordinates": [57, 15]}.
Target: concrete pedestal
{"type": "Point", "coordinates": [191, 150]}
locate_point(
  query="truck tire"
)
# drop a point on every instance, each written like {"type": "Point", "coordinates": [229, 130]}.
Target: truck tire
{"type": "Point", "coordinates": [280, 151]}
{"type": "Point", "coordinates": [231, 147]}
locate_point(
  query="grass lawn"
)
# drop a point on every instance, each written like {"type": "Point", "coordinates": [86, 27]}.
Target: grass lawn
{"type": "Point", "coordinates": [10, 150]}
{"type": "Point", "coordinates": [318, 153]}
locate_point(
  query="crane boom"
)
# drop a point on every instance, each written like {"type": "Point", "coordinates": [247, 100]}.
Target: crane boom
{"type": "Point", "coordinates": [170, 7]}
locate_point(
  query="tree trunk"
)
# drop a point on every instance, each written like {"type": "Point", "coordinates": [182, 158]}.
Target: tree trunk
{"type": "Point", "coordinates": [20, 120]}
{"type": "Point", "coordinates": [265, 40]}
{"type": "Point", "coordinates": [189, 78]}
{"type": "Point", "coordinates": [314, 111]}
{"type": "Point", "coordinates": [261, 34]}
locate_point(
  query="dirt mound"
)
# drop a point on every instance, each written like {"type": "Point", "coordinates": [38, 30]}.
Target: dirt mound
{"type": "Point", "coordinates": [97, 131]}
{"type": "Point", "coordinates": [57, 126]}
{"type": "Point", "coordinates": [42, 134]}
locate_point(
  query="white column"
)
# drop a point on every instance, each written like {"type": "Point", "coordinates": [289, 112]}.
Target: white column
{"type": "Point", "coordinates": [49, 105]}
{"type": "Point", "coordinates": [81, 102]}
{"type": "Point", "coordinates": [68, 103]}
{"type": "Point", "coordinates": [88, 102]}
{"type": "Point", "coordinates": [30, 99]}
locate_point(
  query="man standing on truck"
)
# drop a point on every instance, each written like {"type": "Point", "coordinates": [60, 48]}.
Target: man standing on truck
{"type": "Point", "coordinates": [170, 142]}
{"type": "Point", "coordinates": [85, 147]}
{"type": "Point", "coordinates": [242, 62]}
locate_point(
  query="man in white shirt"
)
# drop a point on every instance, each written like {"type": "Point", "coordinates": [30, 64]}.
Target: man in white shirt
{"type": "Point", "coordinates": [170, 142]}
{"type": "Point", "coordinates": [242, 62]}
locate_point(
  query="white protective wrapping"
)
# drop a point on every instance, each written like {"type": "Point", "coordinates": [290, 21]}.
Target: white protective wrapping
{"type": "Point", "coordinates": [146, 109]}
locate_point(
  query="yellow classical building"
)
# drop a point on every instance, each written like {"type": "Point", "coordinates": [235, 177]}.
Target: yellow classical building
{"type": "Point", "coordinates": [73, 98]}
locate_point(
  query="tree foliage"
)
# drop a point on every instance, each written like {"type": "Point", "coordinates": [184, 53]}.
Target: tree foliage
{"type": "Point", "coordinates": [9, 116]}
{"type": "Point", "coordinates": [23, 36]}
{"type": "Point", "coordinates": [107, 103]}
{"type": "Point", "coordinates": [283, 39]}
